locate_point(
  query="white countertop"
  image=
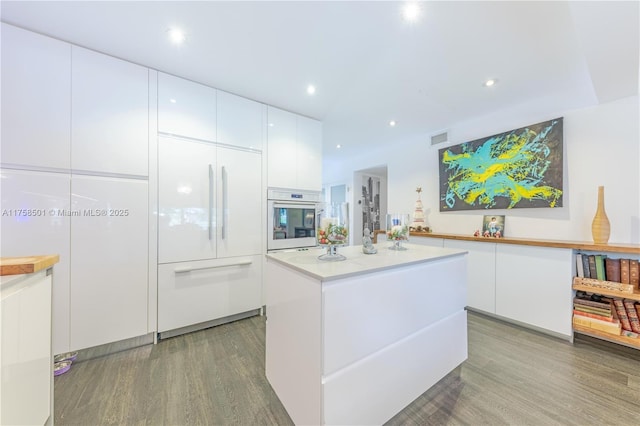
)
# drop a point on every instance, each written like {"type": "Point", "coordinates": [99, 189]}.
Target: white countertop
{"type": "Point", "coordinates": [357, 262]}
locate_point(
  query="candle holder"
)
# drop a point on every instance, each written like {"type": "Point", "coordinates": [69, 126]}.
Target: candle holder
{"type": "Point", "coordinates": [333, 229]}
{"type": "Point", "coordinates": [397, 230]}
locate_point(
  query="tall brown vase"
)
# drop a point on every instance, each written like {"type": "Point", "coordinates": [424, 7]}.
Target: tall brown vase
{"type": "Point", "coordinates": [600, 227]}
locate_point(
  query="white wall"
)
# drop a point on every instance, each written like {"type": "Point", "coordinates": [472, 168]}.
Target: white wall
{"type": "Point", "coordinates": [601, 147]}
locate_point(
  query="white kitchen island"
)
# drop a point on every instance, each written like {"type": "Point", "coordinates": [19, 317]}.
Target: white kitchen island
{"type": "Point", "coordinates": [356, 341]}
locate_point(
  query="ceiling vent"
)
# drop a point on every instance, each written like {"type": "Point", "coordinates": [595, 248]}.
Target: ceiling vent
{"type": "Point", "coordinates": [439, 138]}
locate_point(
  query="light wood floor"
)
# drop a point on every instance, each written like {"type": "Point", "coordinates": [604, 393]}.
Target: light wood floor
{"type": "Point", "coordinates": [216, 377]}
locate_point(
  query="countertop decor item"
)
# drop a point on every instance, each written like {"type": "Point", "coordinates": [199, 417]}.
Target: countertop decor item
{"type": "Point", "coordinates": [333, 229]}
{"type": "Point", "coordinates": [419, 223]}
{"type": "Point", "coordinates": [600, 227]}
{"type": "Point", "coordinates": [367, 243]}
{"type": "Point", "coordinates": [398, 230]}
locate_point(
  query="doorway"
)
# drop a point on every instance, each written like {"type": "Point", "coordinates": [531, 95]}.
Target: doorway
{"type": "Point", "coordinates": [370, 201]}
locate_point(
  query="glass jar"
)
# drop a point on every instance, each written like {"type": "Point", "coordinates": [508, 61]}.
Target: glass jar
{"type": "Point", "coordinates": [398, 230]}
{"type": "Point", "coordinates": [333, 229]}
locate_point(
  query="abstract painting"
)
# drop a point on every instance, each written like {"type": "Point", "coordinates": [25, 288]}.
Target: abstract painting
{"type": "Point", "coordinates": [515, 169]}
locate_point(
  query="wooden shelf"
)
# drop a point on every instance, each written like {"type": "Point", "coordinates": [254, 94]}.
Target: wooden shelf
{"type": "Point", "coordinates": [611, 293]}
{"type": "Point", "coordinates": [575, 245]}
{"type": "Point", "coordinates": [623, 340]}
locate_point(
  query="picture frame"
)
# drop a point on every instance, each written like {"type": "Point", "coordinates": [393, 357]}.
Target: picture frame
{"type": "Point", "coordinates": [493, 226]}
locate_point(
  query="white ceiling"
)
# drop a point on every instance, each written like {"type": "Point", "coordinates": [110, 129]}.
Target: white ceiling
{"type": "Point", "coordinates": [368, 64]}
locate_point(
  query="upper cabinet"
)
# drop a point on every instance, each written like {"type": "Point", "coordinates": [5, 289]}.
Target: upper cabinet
{"type": "Point", "coordinates": [294, 151]}
{"type": "Point", "coordinates": [240, 121]}
{"type": "Point", "coordinates": [309, 153]}
{"type": "Point", "coordinates": [110, 122]}
{"type": "Point", "coordinates": [36, 99]}
{"type": "Point", "coordinates": [186, 108]}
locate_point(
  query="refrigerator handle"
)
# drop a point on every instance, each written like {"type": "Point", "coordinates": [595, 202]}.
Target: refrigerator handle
{"type": "Point", "coordinates": [224, 202]}
{"type": "Point", "coordinates": [210, 202]}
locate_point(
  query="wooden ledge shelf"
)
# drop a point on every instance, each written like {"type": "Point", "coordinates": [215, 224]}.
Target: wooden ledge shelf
{"type": "Point", "coordinates": [623, 340]}
{"type": "Point", "coordinates": [575, 245]}
{"type": "Point", "coordinates": [609, 293]}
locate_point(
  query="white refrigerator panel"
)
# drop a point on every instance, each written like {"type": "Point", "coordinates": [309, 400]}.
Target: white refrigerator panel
{"type": "Point", "coordinates": [110, 108]}
{"type": "Point", "coordinates": [35, 221]}
{"type": "Point", "coordinates": [240, 229]}
{"type": "Point", "coordinates": [36, 99]}
{"type": "Point", "coordinates": [109, 255]}
{"type": "Point", "coordinates": [195, 292]}
{"type": "Point", "coordinates": [187, 199]}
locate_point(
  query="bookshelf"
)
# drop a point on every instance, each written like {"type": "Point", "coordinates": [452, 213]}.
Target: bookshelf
{"type": "Point", "coordinates": [632, 342]}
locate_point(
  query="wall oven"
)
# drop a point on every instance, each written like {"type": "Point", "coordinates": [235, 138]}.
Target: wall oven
{"type": "Point", "coordinates": [291, 218]}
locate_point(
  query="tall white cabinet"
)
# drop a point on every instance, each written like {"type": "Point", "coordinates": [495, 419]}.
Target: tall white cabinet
{"type": "Point", "coordinates": [210, 227]}
{"type": "Point", "coordinates": [75, 150]}
{"type": "Point", "coordinates": [294, 151]}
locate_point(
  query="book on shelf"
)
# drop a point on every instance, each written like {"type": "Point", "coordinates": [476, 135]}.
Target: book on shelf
{"type": "Point", "coordinates": [600, 272]}
{"type": "Point", "coordinates": [579, 265]}
{"type": "Point", "coordinates": [591, 310]}
{"type": "Point", "coordinates": [634, 273]}
{"type": "Point", "coordinates": [596, 324]}
{"type": "Point", "coordinates": [612, 269]}
{"type": "Point", "coordinates": [624, 271]}
{"type": "Point", "coordinates": [592, 300]}
{"type": "Point", "coordinates": [622, 314]}
{"type": "Point", "coordinates": [585, 266]}
{"type": "Point", "coordinates": [592, 267]}
{"type": "Point", "coordinates": [607, 318]}
{"type": "Point", "coordinates": [630, 307]}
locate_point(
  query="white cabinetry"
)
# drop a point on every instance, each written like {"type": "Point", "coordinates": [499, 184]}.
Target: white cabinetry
{"type": "Point", "coordinates": [186, 108]}
{"type": "Point", "coordinates": [481, 273]}
{"type": "Point", "coordinates": [239, 202]}
{"type": "Point", "coordinates": [110, 109]}
{"type": "Point", "coordinates": [309, 154]}
{"type": "Point", "coordinates": [187, 193]}
{"type": "Point", "coordinates": [294, 146]}
{"type": "Point", "coordinates": [109, 255]}
{"type": "Point", "coordinates": [240, 121]}
{"type": "Point", "coordinates": [525, 274]}
{"type": "Point", "coordinates": [36, 94]}
{"type": "Point", "coordinates": [191, 293]}
{"type": "Point", "coordinates": [26, 388]}
{"type": "Point", "coordinates": [44, 230]}
{"type": "Point", "coordinates": [210, 232]}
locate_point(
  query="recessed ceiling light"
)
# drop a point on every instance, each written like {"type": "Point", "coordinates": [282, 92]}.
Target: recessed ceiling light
{"type": "Point", "coordinates": [270, 124]}
{"type": "Point", "coordinates": [490, 82]}
{"type": "Point", "coordinates": [392, 123]}
{"type": "Point", "coordinates": [176, 35]}
{"type": "Point", "coordinates": [338, 146]}
{"type": "Point", "coordinates": [173, 101]}
{"type": "Point", "coordinates": [411, 11]}
{"type": "Point", "coordinates": [311, 89]}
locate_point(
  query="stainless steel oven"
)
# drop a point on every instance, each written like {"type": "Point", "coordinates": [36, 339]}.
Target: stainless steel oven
{"type": "Point", "coordinates": [291, 218]}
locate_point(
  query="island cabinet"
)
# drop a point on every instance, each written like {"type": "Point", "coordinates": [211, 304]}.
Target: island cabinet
{"type": "Point", "coordinates": [356, 341]}
{"type": "Point", "coordinates": [26, 373]}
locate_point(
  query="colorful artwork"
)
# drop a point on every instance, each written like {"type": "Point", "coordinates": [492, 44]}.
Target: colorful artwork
{"type": "Point", "coordinates": [516, 169]}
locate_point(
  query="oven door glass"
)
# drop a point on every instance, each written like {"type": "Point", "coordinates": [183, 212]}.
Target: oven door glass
{"type": "Point", "coordinates": [292, 226]}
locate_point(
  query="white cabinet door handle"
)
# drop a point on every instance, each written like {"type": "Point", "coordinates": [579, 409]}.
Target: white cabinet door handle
{"type": "Point", "coordinates": [189, 269]}
{"type": "Point", "coordinates": [210, 202]}
{"type": "Point", "coordinates": [224, 202]}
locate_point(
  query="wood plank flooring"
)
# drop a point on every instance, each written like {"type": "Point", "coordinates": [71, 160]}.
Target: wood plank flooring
{"type": "Point", "coordinates": [216, 377]}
